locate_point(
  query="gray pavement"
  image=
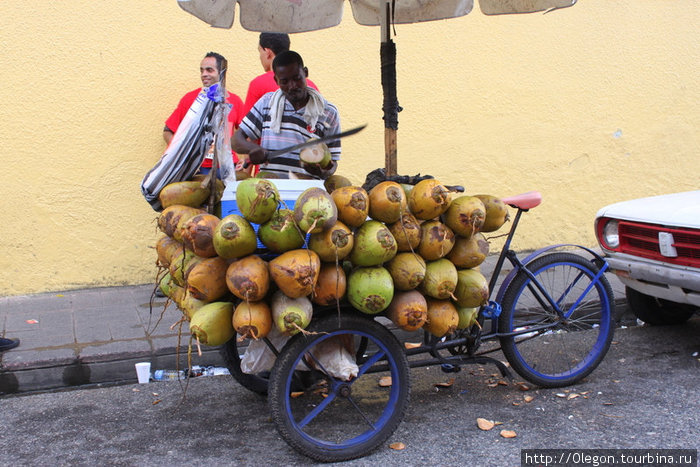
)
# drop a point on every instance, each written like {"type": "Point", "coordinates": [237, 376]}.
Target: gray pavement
{"type": "Point", "coordinates": [95, 336]}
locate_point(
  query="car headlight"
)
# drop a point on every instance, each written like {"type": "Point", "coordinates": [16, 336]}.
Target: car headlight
{"type": "Point", "coordinates": [610, 236]}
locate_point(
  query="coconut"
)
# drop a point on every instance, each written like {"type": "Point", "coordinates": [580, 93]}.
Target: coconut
{"type": "Point", "coordinates": [315, 210]}
{"type": "Point", "coordinates": [335, 181]}
{"type": "Point", "coordinates": [407, 270]}
{"type": "Point", "coordinates": [406, 232]}
{"type": "Point", "coordinates": [442, 317]}
{"type": "Point", "coordinates": [198, 234]}
{"type": "Point", "coordinates": [179, 264]}
{"type": "Point", "coordinates": [370, 289]}
{"type": "Point", "coordinates": [469, 252]}
{"type": "Point", "coordinates": [295, 272]}
{"type": "Point", "coordinates": [352, 203]}
{"type": "Point", "coordinates": [467, 317]}
{"type": "Point", "coordinates": [374, 245]}
{"type": "Point", "coordinates": [234, 237]}
{"type": "Point", "coordinates": [331, 285]}
{"type": "Point", "coordinates": [281, 233]}
{"type": "Point", "coordinates": [257, 199]}
{"type": "Point", "coordinates": [466, 215]}
{"type": "Point", "coordinates": [165, 284]}
{"type": "Point", "coordinates": [167, 248]}
{"type": "Point", "coordinates": [190, 305]}
{"type": "Point", "coordinates": [436, 240]}
{"type": "Point", "coordinates": [333, 244]}
{"type": "Point", "coordinates": [173, 218]}
{"type": "Point", "coordinates": [428, 199]}
{"type": "Point", "coordinates": [408, 310]}
{"type": "Point", "coordinates": [248, 278]}
{"type": "Point", "coordinates": [176, 293]}
{"type": "Point", "coordinates": [496, 213]}
{"type": "Point", "coordinates": [472, 288]}
{"type": "Point", "coordinates": [207, 279]}
{"type": "Point", "coordinates": [290, 315]}
{"type": "Point", "coordinates": [440, 279]}
{"type": "Point", "coordinates": [317, 154]}
{"type": "Point", "coordinates": [387, 201]}
{"type": "Point", "coordinates": [213, 323]}
{"type": "Point", "coordinates": [190, 193]}
{"type": "Point", "coordinates": [252, 319]}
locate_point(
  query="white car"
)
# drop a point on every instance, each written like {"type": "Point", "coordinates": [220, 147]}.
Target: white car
{"type": "Point", "coordinates": [653, 246]}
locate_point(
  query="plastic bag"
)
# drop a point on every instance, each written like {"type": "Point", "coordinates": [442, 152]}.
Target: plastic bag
{"type": "Point", "coordinates": [258, 357]}
{"type": "Point", "coordinates": [333, 355]}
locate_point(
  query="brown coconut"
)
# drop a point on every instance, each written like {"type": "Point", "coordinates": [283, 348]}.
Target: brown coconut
{"type": "Point", "coordinates": [428, 199]}
{"type": "Point", "coordinates": [466, 215]}
{"type": "Point", "coordinates": [173, 218]}
{"type": "Point", "coordinates": [190, 193]}
{"type": "Point", "coordinates": [248, 278]}
{"type": "Point", "coordinates": [198, 234]}
{"type": "Point", "coordinates": [331, 285]}
{"type": "Point", "coordinates": [333, 244]}
{"type": "Point", "coordinates": [207, 279]}
{"type": "Point", "coordinates": [472, 288]}
{"type": "Point", "coordinates": [407, 270]}
{"type": "Point", "coordinates": [252, 319]}
{"type": "Point", "coordinates": [406, 232]}
{"type": "Point", "coordinates": [296, 272]}
{"type": "Point", "coordinates": [442, 317]}
{"type": "Point", "coordinates": [387, 201]}
{"type": "Point", "coordinates": [469, 252]}
{"type": "Point", "coordinates": [436, 241]}
{"type": "Point", "coordinates": [166, 249]}
{"type": "Point", "coordinates": [408, 310]}
{"type": "Point", "coordinates": [496, 213]}
{"type": "Point", "coordinates": [352, 203]}
{"type": "Point", "coordinates": [440, 279]}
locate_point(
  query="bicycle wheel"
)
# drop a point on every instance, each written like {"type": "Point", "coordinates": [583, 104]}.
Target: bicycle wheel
{"type": "Point", "coordinates": [337, 419]}
{"type": "Point", "coordinates": [232, 359]}
{"type": "Point", "coordinates": [561, 325]}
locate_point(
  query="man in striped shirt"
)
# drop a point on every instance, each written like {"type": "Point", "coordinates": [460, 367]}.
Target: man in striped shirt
{"type": "Point", "coordinates": [291, 115]}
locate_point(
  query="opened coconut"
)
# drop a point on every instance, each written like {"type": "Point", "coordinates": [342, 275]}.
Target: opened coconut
{"type": "Point", "coordinates": [428, 199]}
{"type": "Point", "coordinates": [257, 199]}
{"type": "Point", "coordinates": [436, 240]}
{"type": "Point", "coordinates": [332, 244]}
{"type": "Point", "coordinates": [408, 310]}
{"type": "Point", "coordinates": [469, 252]}
{"type": "Point", "coordinates": [315, 211]}
{"type": "Point", "coordinates": [407, 270]}
{"type": "Point", "coordinates": [374, 245]}
{"type": "Point", "coordinates": [442, 317]}
{"type": "Point", "coordinates": [198, 234]}
{"type": "Point", "coordinates": [331, 285]}
{"type": "Point", "coordinates": [370, 289]}
{"type": "Point", "coordinates": [234, 237]}
{"type": "Point", "coordinates": [317, 154]}
{"type": "Point", "coordinates": [440, 279]}
{"type": "Point", "coordinates": [207, 279]}
{"type": "Point", "coordinates": [472, 288]}
{"type": "Point", "coordinates": [281, 233]}
{"type": "Point", "coordinates": [387, 201]}
{"type": "Point", "coordinates": [496, 213]}
{"type": "Point", "coordinates": [189, 193]}
{"type": "Point", "coordinates": [407, 232]}
{"type": "Point", "coordinates": [212, 324]}
{"type": "Point", "coordinates": [352, 203]}
{"type": "Point", "coordinates": [248, 278]}
{"type": "Point", "coordinates": [252, 319]}
{"type": "Point", "coordinates": [295, 272]}
{"type": "Point", "coordinates": [466, 215]}
{"type": "Point", "coordinates": [290, 315]}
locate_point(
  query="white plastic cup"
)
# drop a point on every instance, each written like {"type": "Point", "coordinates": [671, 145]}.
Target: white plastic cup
{"type": "Point", "coordinates": [143, 371]}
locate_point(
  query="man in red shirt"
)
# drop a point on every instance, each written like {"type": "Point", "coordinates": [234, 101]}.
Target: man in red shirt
{"type": "Point", "coordinates": [209, 71]}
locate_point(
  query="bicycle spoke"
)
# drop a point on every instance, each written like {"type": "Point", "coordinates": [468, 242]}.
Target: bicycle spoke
{"type": "Point", "coordinates": [317, 410]}
{"type": "Point", "coordinates": [362, 414]}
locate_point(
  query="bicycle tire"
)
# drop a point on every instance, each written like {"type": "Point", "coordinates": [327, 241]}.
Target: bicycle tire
{"type": "Point", "coordinates": [323, 428]}
{"type": "Point", "coordinates": [232, 359]}
{"type": "Point", "coordinates": [560, 352]}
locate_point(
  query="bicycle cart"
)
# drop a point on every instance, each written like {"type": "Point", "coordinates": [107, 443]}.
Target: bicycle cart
{"type": "Point", "coordinates": [552, 316]}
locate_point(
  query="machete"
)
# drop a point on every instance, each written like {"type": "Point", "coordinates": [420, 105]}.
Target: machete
{"type": "Point", "coordinates": [311, 142]}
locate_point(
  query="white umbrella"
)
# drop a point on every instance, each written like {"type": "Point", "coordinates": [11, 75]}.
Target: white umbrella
{"type": "Point", "coordinates": [292, 16]}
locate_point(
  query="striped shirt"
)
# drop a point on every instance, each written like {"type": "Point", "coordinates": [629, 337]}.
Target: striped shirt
{"type": "Point", "coordinates": [294, 130]}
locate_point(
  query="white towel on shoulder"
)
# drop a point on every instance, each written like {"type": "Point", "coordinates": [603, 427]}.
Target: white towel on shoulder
{"type": "Point", "coordinates": [312, 111]}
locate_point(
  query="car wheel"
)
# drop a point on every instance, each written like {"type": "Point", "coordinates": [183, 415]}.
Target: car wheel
{"type": "Point", "coordinates": [656, 311]}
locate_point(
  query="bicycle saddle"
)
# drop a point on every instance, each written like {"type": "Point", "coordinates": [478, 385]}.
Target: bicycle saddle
{"type": "Point", "coordinates": [524, 201]}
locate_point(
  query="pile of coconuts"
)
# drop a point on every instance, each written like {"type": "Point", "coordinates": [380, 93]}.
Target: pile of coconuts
{"type": "Point", "coordinates": [411, 252]}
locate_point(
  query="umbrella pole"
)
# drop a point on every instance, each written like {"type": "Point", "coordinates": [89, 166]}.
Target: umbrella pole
{"type": "Point", "coordinates": [391, 104]}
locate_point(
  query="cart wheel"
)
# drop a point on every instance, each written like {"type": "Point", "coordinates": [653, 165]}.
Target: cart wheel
{"type": "Point", "coordinates": [337, 420]}
{"type": "Point", "coordinates": [255, 383]}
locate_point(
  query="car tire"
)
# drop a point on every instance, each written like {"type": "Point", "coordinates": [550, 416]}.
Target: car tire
{"type": "Point", "coordinates": [657, 311]}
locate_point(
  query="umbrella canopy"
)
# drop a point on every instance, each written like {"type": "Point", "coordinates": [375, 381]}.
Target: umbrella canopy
{"type": "Point", "coordinates": [292, 16]}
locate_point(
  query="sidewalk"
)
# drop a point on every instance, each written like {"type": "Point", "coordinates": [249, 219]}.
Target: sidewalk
{"type": "Point", "coordinates": [96, 335]}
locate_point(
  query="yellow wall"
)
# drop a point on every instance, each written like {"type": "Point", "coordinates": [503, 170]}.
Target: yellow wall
{"type": "Point", "coordinates": [592, 104]}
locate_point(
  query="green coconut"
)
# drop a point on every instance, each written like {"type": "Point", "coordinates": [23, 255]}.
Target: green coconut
{"type": "Point", "coordinates": [257, 199]}
{"type": "Point", "coordinates": [440, 279]}
{"type": "Point", "coordinates": [374, 245]}
{"type": "Point", "coordinates": [212, 324]}
{"type": "Point", "coordinates": [496, 213]}
{"type": "Point", "coordinates": [336, 181]}
{"type": "Point", "coordinates": [370, 289]}
{"type": "Point", "coordinates": [467, 317]}
{"type": "Point", "coordinates": [290, 315]}
{"type": "Point", "coordinates": [315, 211]}
{"type": "Point", "coordinates": [281, 233]}
{"type": "Point", "coordinates": [472, 288]}
{"type": "Point", "coordinates": [234, 237]}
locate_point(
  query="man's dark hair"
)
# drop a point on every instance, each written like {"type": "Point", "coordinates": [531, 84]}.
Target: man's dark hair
{"type": "Point", "coordinates": [277, 42]}
{"type": "Point", "coordinates": [287, 58]}
{"type": "Point", "coordinates": [220, 59]}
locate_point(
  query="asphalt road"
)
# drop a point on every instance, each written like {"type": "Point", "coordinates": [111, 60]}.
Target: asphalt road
{"type": "Point", "coordinates": [644, 395]}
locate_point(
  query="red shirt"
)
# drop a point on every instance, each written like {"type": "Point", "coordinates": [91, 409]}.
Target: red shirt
{"type": "Point", "coordinates": [234, 117]}
{"type": "Point", "coordinates": [260, 86]}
